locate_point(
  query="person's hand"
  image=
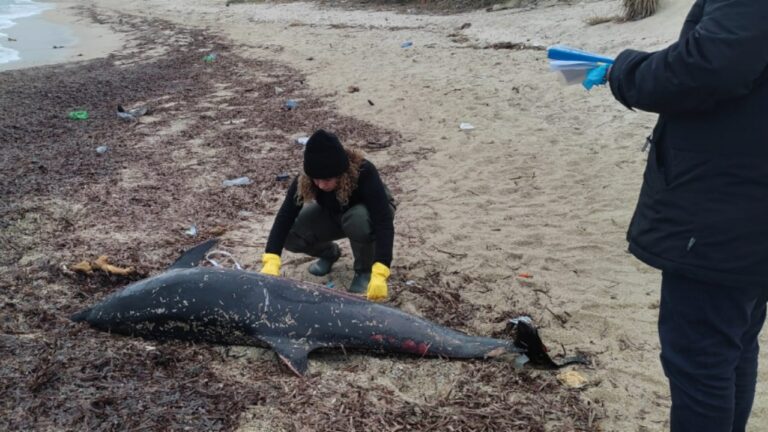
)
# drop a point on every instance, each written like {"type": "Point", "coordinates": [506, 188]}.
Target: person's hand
{"type": "Point", "coordinates": [377, 287]}
{"type": "Point", "coordinates": [271, 264]}
{"type": "Point", "coordinates": [596, 76]}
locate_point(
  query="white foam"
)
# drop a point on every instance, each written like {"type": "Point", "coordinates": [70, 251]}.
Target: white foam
{"type": "Point", "coordinates": [11, 10]}
{"type": "Point", "coordinates": [8, 55]}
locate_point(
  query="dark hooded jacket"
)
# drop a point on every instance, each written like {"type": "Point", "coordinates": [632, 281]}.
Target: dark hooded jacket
{"type": "Point", "coordinates": [703, 206]}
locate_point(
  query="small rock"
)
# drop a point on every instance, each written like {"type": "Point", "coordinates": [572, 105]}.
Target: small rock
{"type": "Point", "coordinates": [572, 379]}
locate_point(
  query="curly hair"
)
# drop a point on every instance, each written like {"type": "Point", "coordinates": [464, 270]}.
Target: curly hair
{"type": "Point", "coordinates": [347, 181]}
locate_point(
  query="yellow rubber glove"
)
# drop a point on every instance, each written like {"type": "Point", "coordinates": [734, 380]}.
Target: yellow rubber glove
{"type": "Point", "coordinates": [377, 287]}
{"type": "Point", "coordinates": [271, 264]}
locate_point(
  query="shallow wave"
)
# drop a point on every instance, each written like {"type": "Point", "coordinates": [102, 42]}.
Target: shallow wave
{"type": "Point", "coordinates": [8, 55]}
{"type": "Point", "coordinates": [11, 10]}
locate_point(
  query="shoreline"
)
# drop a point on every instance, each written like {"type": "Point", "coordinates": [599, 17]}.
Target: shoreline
{"type": "Point", "coordinates": [76, 38]}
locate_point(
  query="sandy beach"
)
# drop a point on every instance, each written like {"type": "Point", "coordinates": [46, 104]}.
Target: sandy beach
{"type": "Point", "coordinates": [525, 213]}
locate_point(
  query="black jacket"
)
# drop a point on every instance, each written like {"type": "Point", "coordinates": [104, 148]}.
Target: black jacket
{"type": "Point", "coordinates": [370, 192]}
{"type": "Point", "coordinates": [703, 206]}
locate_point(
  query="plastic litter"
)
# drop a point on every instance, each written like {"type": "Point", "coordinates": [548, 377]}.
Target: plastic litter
{"type": "Point", "coordinates": [101, 149]}
{"type": "Point", "coordinates": [282, 176]}
{"type": "Point", "coordinates": [131, 114]}
{"type": "Point", "coordinates": [78, 115]}
{"type": "Point", "coordinates": [210, 58]}
{"type": "Point", "coordinates": [290, 104]}
{"type": "Point", "coordinates": [240, 181]}
{"type": "Point", "coordinates": [192, 231]}
{"type": "Point", "coordinates": [410, 282]}
{"type": "Point", "coordinates": [302, 140]}
{"type": "Point", "coordinates": [466, 126]}
{"type": "Point", "coordinates": [227, 257]}
{"type": "Point", "coordinates": [406, 44]}
{"type": "Point", "coordinates": [330, 285]}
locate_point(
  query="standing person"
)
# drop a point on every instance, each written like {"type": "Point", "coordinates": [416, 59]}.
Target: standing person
{"type": "Point", "coordinates": [702, 215]}
{"type": "Point", "coordinates": [339, 195]}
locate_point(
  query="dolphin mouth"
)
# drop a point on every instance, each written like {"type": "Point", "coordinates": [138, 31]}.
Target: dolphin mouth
{"type": "Point", "coordinates": [81, 316]}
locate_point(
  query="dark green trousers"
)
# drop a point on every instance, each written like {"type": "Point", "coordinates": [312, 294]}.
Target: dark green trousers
{"type": "Point", "coordinates": [315, 230]}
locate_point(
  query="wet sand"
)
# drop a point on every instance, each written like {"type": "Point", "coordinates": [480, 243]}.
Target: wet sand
{"type": "Point", "coordinates": [59, 35]}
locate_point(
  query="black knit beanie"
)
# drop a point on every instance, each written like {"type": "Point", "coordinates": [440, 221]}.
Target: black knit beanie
{"type": "Point", "coordinates": [324, 157]}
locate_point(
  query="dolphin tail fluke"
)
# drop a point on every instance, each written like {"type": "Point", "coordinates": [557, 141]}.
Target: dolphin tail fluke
{"type": "Point", "coordinates": [192, 257]}
{"type": "Point", "coordinates": [292, 353]}
{"type": "Point", "coordinates": [527, 337]}
{"type": "Point", "coordinates": [81, 316]}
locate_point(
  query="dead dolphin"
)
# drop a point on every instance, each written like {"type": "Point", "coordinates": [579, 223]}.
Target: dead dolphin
{"type": "Point", "coordinates": [237, 307]}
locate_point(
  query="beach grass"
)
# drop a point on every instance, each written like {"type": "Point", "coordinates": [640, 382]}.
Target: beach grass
{"type": "Point", "coordinates": [638, 9]}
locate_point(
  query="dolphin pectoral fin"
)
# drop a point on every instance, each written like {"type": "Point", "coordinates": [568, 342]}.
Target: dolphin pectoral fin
{"type": "Point", "coordinates": [293, 353]}
{"type": "Point", "coordinates": [297, 364]}
{"type": "Point", "coordinates": [192, 257]}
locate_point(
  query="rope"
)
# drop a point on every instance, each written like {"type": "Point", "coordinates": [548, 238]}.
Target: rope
{"type": "Point", "coordinates": [227, 257]}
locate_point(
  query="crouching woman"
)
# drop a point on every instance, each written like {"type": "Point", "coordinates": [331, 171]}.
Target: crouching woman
{"type": "Point", "coordinates": [339, 195]}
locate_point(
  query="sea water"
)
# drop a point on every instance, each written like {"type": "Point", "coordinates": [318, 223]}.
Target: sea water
{"type": "Point", "coordinates": [10, 12]}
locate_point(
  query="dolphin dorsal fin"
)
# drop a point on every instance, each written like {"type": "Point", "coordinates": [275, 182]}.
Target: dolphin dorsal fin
{"type": "Point", "coordinates": [192, 257]}
{"type": "Point", "coordinates": [292, 352]}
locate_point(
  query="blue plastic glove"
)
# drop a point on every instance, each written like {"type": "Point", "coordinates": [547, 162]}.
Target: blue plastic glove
{"type": "Point", "coordinates": [596, 76]}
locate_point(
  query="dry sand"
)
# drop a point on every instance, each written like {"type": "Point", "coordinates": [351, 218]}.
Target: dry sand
{"type": "Point", "coordinates": [544, 184]}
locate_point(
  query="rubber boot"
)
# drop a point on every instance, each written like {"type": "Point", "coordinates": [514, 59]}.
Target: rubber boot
{"type": "Point", "coordinates": [359, 283]}
{"type": "Point", "coordinates": [322, 266]}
